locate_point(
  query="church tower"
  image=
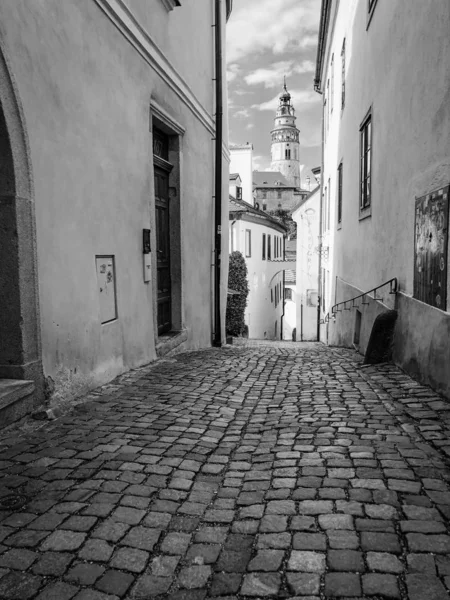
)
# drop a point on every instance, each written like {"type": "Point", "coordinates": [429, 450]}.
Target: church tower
{"type": "Point", "coordinates": [285, 140]}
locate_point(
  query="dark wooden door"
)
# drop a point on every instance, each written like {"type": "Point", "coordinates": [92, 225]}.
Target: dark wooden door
{"type": "Point", "coordinates": [163, 250]}
{"type": "Point", "coordinates": [430, 272]}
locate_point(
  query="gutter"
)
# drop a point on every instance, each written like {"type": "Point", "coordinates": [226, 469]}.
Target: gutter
{"type": "Point", "coordinates": [323, 30]}
{"type": "Point", "coordinates": [217, 340]}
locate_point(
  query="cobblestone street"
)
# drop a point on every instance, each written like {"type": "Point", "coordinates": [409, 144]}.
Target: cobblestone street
{"type": "Point", "coordinates": [271, 470]}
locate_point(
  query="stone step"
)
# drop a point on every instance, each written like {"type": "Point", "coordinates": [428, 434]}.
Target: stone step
{"type": "Point", "coordinates": [16, 400]}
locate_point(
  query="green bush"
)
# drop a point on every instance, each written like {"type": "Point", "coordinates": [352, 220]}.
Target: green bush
{"type": "Point", "coordinates": [237, 281]}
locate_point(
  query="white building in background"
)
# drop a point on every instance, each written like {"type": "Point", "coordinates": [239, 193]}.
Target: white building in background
{"type": "Point", "coordinates": [383, 69]}
{"type": "Point", "coordinates": [242, 163]}
{"type": "Point", "coordinates": [307, 217]}
{"type": "Point", "coordinates": [235, 186]}
{"type": "Point", "coordinates": [260, 239]}
{"type": "Point", "coordinates": [290, 293]}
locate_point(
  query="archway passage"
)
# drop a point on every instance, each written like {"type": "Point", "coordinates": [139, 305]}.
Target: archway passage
{"type": "Point", "coordinates": [21, 379]}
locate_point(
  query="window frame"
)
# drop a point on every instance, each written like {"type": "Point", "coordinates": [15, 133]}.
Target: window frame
{"type": "Point", "coordinates": [343, 75]}
{"type": "Point", "coordinates": [365, 165]}
{"type": "Point", "coordinates": [248, 243]}
{"type": "Point", "coordinates": [269, 247]}
{"type": "Point", "coordinates": [263, 246]}
{"type": "Point", "coordinates": [339, 193]}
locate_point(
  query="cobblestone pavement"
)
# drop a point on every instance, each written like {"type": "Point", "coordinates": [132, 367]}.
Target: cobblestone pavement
{"type": "Point", "coordinates": [265, 471]}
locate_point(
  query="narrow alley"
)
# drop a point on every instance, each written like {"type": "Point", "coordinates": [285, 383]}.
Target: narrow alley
{"type": "Point", "coordinates": [267, 470]}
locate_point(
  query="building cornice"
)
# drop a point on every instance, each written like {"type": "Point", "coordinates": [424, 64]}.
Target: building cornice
{"type": "Point", "coordinates": [323, 31]}
{"type": "Point", "coordinates": [125, 21]}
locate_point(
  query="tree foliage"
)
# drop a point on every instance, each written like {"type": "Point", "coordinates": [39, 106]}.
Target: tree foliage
{"type": "Point", "coordinates": [238, 282]}
{"type": "Point", "coordinates": [286, 218]}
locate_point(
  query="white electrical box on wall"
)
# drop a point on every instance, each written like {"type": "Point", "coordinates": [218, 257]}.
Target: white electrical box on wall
{"type": "Point", "coordinates": [106, 280]}
{"type": "Point", "coordinates": [147, 267]}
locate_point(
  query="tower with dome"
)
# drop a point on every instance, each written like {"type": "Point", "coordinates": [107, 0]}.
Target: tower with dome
{"type": "Point", "coordinates": [285, 147]}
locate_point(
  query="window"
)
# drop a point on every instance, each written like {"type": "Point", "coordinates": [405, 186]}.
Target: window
{"type": "Point", "coordinates": [287, 154]}
{"type": "Point", "coordinates": [248, 243]}
{"type": "Point", "coordinates": [269, 247]}
{"type": "Point", "coordinates": [288, 293]}
{"type": "Point", "coordinates": [264, 246]}
{"type": "Point", "coordinates": [328, 206]}
{"type": "Point", "coordinates": [171, 4]}
{"type": "Point", "coordinates": [332, 84]}
{"type": "Point", "coordinates": [238, 193]}
{"type": "Point", "coordinates": [264, 194]}
{"type": "Point", "coordinates": [311, 297]}
{"type": "Point", "coordinates": [264, 206]}
{"type": "Point", "coordinates": [343, 75]}
{"type": "Point", "coordinates": [365, 136]}
{"type": "Point", "coordinates": [339, 195]}
{"type": "Point", "coordinates": [279, 195]}
{"type": "Point", "coordinates": [328, 104]}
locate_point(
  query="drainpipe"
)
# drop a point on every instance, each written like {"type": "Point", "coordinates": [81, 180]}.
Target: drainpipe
{"type": "Point", "coordinates": [319, 274]}
{"type": "Point", "coordinates": [217, 341]}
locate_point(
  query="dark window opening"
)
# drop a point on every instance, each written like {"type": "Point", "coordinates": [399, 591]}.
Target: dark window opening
{"type": "Point", "coordinates": [264, 246]}
{"type": "Point", "coordinates": [339, 191]}
{"type": "Point", "coordinates": [365, 193]}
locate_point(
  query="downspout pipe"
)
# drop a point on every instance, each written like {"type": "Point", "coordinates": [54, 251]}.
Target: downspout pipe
{"type": "Point", "coordinates": [217, 341]}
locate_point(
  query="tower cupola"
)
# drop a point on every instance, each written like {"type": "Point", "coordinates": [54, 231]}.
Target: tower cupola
{"type": "Point", "coordinates": [285, 148]}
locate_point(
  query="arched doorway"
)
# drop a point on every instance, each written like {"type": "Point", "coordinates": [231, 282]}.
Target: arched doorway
{"type": "Point", "coordinates": [20, 351]}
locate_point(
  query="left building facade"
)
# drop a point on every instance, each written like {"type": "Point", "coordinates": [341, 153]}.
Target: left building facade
{"type": "Point", "coordinates": [107, 185]}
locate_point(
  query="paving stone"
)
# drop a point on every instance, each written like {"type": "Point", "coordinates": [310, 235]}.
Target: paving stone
{"type": "Point", "coordinates": [194, 577]}
{"type": "Point", "coordinates": [421, 563]}
{"type": "Point", "coordinates": [422, 586]}
{"type": "Point", "coordinates": [345, 560]}
{"type": "Point", "coordinates": [115, 582]}
{"type": "Point", "coordinates": [203, 554]}
{"type": "Point", "coordinates": [233, 561]}
{"type": "Point", "coordinates": [384, 562]}
{"type": "Point", "coordinates": [342, 539]}
{"type": "Point", "coordinates": [266, 560]}
{"type": "Point", "coordinates": [110, 530]}
{"type": "Point", "coordinates": [52, 563]}
{"type": "Point", "coordinates": [380, 542]}
{"type": "Point", "coordinates": [309, 541]}
{"type": "Point", "coordinates": [61, 541]}
{"type": "Point", "coordinates": [20, 559]}
{"type": "Point", "coordinates": [97, 550]}
{"type": "Point", "coordinates": [176, 543]}
{"type": "Point", "coordinates": [342, 585]}
{"type": "Point", "coordinates": [225, 583]}
{"type": "Point", "coordinates": [84, 573]}
{"type": "Point", "coordinates": [303, 583]}
{"type": "Point", "coordinates": [274, 540]}
{"type": "Point", "coordinates": [309, 562]}
{"type": "Point", "coordinates": [129, 559]}
{"type": "Point", "coordinates": [261, 584]}
{"type": "Point", "coordinates": [336, 521]}
{"type": "Point", "coordinates": [149, 586]}
{"type": "Point", "coordinates": [377, 584]}
{"type": "Point", "coordinates": [164, 566]}
{"type": "Point", "coordinates": [58, 591]}
{"type": "Point", "coordinates": [417, 542]}
{"type": "Point", "coordinates": [19, 586]}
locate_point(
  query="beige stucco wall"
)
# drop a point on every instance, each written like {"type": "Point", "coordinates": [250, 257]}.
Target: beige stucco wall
{"type": "Point", "coordinates": [398, 66]}
{"type": "Point", "coordinates": [307, 217]}
{"type": "Point", "coordinates": [242, 163]}
{"type": "Point", "coordinates": [86, 96]}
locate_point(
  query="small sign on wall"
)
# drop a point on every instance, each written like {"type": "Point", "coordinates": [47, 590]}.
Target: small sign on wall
{"type": "Point", "coordinates": [106, 280]}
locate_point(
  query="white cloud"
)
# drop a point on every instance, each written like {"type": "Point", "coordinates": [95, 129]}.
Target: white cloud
{"type": "Point", "coordinates": [232, 72]}
{"type": "Point", "coordinates": [249, 126]}
{"type": "Point", "coordinates": [272, 76]}
{"type": "Point", "coordinates": [256, 25]}
{"type": "Point", "coordinates": [300, 98]}
{"type": "Point", "coordinates": [244, 113]}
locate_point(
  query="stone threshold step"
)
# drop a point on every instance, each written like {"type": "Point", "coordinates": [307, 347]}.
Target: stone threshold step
{"type": "Point", "coordinates": [16, 399]}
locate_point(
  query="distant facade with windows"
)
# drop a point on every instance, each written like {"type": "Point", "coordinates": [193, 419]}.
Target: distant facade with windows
{"type": "Point", "coordinates": [383, 69]}
{"type": "Point", "coordinates": [260, 239]}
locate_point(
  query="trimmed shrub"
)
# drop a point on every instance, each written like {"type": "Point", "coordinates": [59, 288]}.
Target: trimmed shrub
{"type": "Point", "coordinates": [237, 281]}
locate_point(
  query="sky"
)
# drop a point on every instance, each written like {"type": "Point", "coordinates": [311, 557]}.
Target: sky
{"type": "Point", "coordinates": [267, 39]}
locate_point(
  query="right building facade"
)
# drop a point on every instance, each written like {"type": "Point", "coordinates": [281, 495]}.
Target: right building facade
{"type": "Point", "coordinates": [383, 69]}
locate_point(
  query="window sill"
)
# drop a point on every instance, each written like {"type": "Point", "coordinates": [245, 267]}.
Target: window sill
{"type": "Point", "coordinates": [364, 213]}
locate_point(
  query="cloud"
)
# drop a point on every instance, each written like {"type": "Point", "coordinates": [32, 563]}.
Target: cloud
{"type": "Point", "coordinates": [232, 72]}
{"type": "Point", "coordinates": [272, 76]}
{"type": "Point", "coordinates": [300, 98]}
{"type": "Point", "coordinates": [256, 26]}
{"type": "Point", "coordinates": [249, 126]}
{"type": "Point", "coordinates": [244, 113]}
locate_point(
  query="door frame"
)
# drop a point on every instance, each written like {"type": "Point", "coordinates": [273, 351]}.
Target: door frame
{"type": "Point", "coordinates": [21, 356]}
{"type": "Point", "coordinates": [163, 121]}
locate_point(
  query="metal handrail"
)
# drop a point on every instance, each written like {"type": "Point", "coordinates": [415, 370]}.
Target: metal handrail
{"type": "Point", "coordinates": [393, 283]}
